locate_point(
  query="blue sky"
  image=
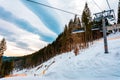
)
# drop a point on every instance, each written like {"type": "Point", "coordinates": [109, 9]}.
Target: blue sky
{"type": "Point", "coordinates": [29, 27]}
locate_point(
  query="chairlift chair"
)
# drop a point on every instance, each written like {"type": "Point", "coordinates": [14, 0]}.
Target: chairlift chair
{"type": "Point", "coordinates": [109, 18]}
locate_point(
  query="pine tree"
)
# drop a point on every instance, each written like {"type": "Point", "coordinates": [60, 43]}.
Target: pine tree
{"type": "Point", "coordinates": [118, 21]}
{"type": "Point", "coordinates": [2, 49]}
{"type": "Point", "coordinates": [2, 46]}
{"type": "Point", "coordinates": [86, 22]}
{"type": "Point", "coordinates": [7, 68]}
{"type": "Point", "coordinates": [77, 23]}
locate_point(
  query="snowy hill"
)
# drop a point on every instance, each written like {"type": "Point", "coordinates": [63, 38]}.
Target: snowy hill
{"type": "Point", "coordinates": [90, 64]}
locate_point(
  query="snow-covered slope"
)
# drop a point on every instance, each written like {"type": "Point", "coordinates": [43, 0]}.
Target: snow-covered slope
{"type": "Point", "coordinates": [90, 64]}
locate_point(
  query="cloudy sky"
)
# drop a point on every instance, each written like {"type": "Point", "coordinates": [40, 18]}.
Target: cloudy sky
{"type": "Point", "coordinates": [28, 27]}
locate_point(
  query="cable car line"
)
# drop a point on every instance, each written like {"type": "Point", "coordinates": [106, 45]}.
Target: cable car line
{"type": "Point", "coordinates": [53, 7]}
{"type": "Point", "coordinates": [97, 5]}
{"type": "Point", "coordinates": [108, 4]}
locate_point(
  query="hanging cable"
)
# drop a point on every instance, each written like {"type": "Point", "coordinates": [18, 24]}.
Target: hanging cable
{"type": "Point", "coordinates": [108, 4]}
{"type": "Point", "coordinates": [110, 9]}
{"type": "Point", "coordinates": [97, 5]}
{"type": "Point", "coordinates": [53, 7]}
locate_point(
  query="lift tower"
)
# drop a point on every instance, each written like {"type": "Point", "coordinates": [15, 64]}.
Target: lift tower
{"type": "Point", "coordinates": [102, 17]}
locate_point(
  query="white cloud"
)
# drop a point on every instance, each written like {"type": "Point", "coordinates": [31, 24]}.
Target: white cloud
{"type": "Point", "coordinates": [17, 8]}
{"type": "Point", "coordinates": [32, 40]}
{"type": "Point", "coordinates": [61, 17]}
{"type": "Point", "coordinates": [12, 50]}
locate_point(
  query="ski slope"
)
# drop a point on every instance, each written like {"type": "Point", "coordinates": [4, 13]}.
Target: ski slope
{"type": "Point", "coordinates": [90, 64]}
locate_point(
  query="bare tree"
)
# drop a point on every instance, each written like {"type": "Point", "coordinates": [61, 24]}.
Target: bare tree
{"type": "Point", "coordinates": [3, 46]}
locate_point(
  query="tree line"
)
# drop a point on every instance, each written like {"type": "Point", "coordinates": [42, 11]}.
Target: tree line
{"type": "Point", "coordinates": [65, 42]}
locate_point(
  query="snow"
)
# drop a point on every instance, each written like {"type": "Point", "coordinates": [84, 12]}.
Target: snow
{"type": "Point", "coordinates": [90, 64]}
{"type": "Point", "coordinates": [95, 29]}
{"type": "Point", "coordinates": [78, 31]}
